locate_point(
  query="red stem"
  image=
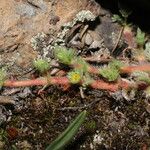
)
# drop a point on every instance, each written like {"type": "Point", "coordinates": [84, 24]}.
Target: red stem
{"type": "Point", "coordinates": [130, 69]}
{"type": "Point", "coordinates": [39, 81]}
{"type": "Point", "coordinates": [126, 69]}
{"type": "Point", "coordinates": [97, 84]}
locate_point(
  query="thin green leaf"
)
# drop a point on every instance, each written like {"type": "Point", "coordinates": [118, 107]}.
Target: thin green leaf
{"type": "Point", "coordinates": [125, 13]}
{"type": "Point", "coordinates": [68, 134]}
{"type": "Point", "coordinates": [117, 18]}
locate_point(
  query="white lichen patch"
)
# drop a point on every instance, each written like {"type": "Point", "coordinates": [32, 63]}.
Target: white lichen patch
{"type": "Point", "coordinates": [45, 48]}
{"type": "Point", "coordinates": [114, 37]}
{"type": "Point", "coordinates": [137, 74]}
{"type": "Point", "coordinates": [42, 46]}
{"type": "Point", "coordinates": [82, 16]}
{"type": "Point", "coordinates": [85, 15]}
{"type": "Point", "coordinates": [97, 140]}
{"type": "Point", "coordinates": [38, 40]}
{"type": "Point", "coordinates": [147, 51]}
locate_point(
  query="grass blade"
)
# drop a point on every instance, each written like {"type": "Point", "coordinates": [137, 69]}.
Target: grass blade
{"type": "Point", "coordinates": [68, 134]}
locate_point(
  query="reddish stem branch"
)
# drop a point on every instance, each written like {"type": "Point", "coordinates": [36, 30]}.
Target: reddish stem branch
{"type": "Point", "coordinates": [126, 69]}
{"type": "Point", "coordinates": [97, 84]}
{"type": "Point", "coordinates": [130, 69]}
{"type": "Point", "coordinates": [39, 81]}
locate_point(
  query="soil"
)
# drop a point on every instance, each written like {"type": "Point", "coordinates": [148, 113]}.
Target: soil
{"type": "Point", "coordinates": [31, 121]}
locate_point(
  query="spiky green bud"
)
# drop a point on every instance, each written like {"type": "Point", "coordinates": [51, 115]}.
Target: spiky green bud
{"type": "Point", "coordinates": [41, 65]}
{"type": "Point", "coordinates": [116, 64]}
{"type": "Point", "coordinates": [2, 76]}
{"type": "Point", "coordinates": [140, 37]}
{"type": "Point", "coordinates": [109, 73]}
{"type": "Point", "coordinates": [64, 55]}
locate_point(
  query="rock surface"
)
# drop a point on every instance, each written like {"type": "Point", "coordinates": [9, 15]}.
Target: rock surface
{"type": "Point", "coordinates": [22, 19]}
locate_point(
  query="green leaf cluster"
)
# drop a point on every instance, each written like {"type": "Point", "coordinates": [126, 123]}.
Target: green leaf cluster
{"type": "Point", "coordinates": [117, 18]}
{"type": "Point", "coordinates": [112, 71]}
{"type": "Point", "coordinates": [64, 138]}
{"type": "Point", "coordinates": [2, 76]}
{"type": "Point", "coordinates": [83, 64]}
{"type": "Point", "coordinates": [75, 76]}
{"type": "Point", "coordinates": [140, 37]}
{"type": "Point", "coordinates": [64, 55]}
{"type": "Point", "coordinates": [110, 74]}
{"type": "Point", "coordinates": [125, 13]}
{"type": "Point", "coordinates": [41, 65]}
{"type": "Point", "coordinates": [115, 64]}
{"type": "Point", "coordinates": [122, 19]}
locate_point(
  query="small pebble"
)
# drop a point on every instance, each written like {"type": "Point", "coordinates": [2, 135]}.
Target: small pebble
{"type": "Point", "coordinates": [96, 44]}
{"type": "Point", "coordinates": [54, 20]}
{"type": "Point", "coordinates": [88, 39]}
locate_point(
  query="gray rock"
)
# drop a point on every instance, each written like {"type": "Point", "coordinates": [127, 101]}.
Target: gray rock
{"type": "Point", "coordinates": [25, 10]}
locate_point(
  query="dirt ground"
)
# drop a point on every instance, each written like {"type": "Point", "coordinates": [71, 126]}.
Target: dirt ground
{"type": "Point", "coordinates": [31, 121]}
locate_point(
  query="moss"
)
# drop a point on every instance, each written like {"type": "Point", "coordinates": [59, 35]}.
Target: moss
{"type": "Point", "coordinates": [90, 126]}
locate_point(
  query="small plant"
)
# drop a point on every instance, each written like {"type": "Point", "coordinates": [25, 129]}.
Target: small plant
{"type": "Point", "coordinates": [81, 73]}
{"type": "Point", "coordinates": [64, 138]}
{"type": "Point", "coordinates": [41, 65]}
{"type": "Point", "coordinates": [116, 64]}
{"type": "Point", "coordinates": [112, 71]}
{"type": "Point", "coordinates": [81, 63]}
{"type": "Point", "coordinates": [109, 74]}
{"type": "Point", "coordinates": [117, 18]}
{"type": "Point", "coordinates": [140, 38]}
{"type": "Point", "coordinates": [64, 55]}
{"type": "Point", "coordinates": [122, 18]}
{"type": "Point", "coordinates": [2, 76]}
{"type": "Point", "coordinates": [142, 52]}
{"type": "Point", "coordinates": [126, 29]}
{"type": "Point", "coordinates": [75, 76]}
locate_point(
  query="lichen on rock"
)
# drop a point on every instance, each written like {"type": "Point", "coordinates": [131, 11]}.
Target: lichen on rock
{"type": "Point", "coordinates": [39, 42]}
